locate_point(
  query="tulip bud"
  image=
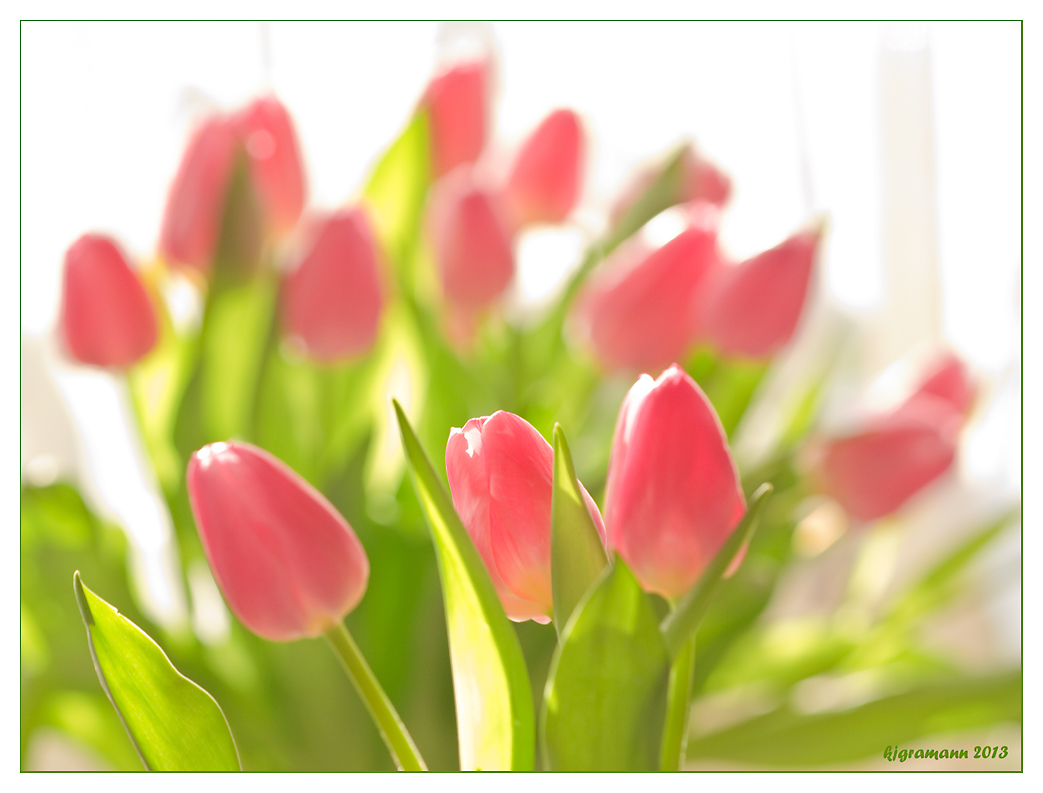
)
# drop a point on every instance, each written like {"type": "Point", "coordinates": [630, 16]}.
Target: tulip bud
{"type": "Point", "coordinates": [949, 381]}
{"type": "Point", "coordinates": [266, 131]}
{"type": "Point", "coordinates": [752, 308]}
{"type": "Point", "coordinates": [641, 312]}
{"type": "Point", "coordinates": [500, 474]}
{"type": "Point", "coordinates": [456, 103]}
{"type": "Point", "coordinates": [471, 243]}
{"type": "Point", "coordinates": [547, 175]}
{"type": "Point", "coordinates": [332, 301]}
{"type": "Point", "coordinates": [673, 494]}
{"type": "Point", "coordinates": [195, 206]}
{"type": "Point", "coordinates": [107, 318]}
{"type": "Point", "coordinates": [288, 564]}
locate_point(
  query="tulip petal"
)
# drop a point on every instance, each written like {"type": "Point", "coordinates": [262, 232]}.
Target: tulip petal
{"type": "Point", "coordinates": [545, 180]}
{"type": "Point", "coordinates": [266, 130]}
{"type": "Point", "coordinates": [456, 102]}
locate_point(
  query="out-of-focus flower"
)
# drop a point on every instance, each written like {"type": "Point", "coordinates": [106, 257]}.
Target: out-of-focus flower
{"type": "Point", "coordinates": [457, 103]}
{"type": "Point", "coordinates": [471, 242]}
{"type": "Point", "coordinates": [195, 205]}
{"type": "Point", "coordinates": [500, 473]}
{"type": "Point", "coordinates": [107, 318]}
{"type": "Point", "coordinates": [267, 134]}
{"type": "Point", "coordinates": [673, 494]}
{"type": "Point", "coordinates": [874, 471]}
{"type": "Point", "coordinates": [701, 181]}
{"type": "Point", "coordinates": [642, 311]}
{"type": "Point", "coordinates": [332, 301]}
{"type": "Point", "coordinates": [545, 180]}
{"type": "Point", "coordinates": [752, 309]}
{"type": "Point", "coordinates": [288, 564]}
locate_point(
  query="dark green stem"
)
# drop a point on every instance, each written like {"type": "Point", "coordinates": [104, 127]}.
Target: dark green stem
{"type": "Point", "coordinates": [392, 730]}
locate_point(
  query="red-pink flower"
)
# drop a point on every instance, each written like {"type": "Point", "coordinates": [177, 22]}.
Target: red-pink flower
{"type": "Point", "coordinates": [107, 318]}
{"type": "Point", "coordinates": [332, 301]}
{"type": "Point", "coordinates": [471, 242]}
{"type": "Point", "coordinates": [752, 309]}
{"type": "Point", "coordinates": [195, 205]}
{"type": "Point", "coordinates": [642, 311]}
{"type": "Point", "coordinates": [876, 470]}
{"type": "Point", "coordinates": [701, 181]}
{"type": "Point", "coordinates": [545, 180]}
{"type": "Point", "coordinates": [673, 494]}
{"type": "Point", "coordinates": [500, 473]}
{"type": "Point", "coordinates": [266, 131]}
{"type": "Point", "coordinates": [288, 564]}
{"type": "Point", "coordinates": [457, 107]}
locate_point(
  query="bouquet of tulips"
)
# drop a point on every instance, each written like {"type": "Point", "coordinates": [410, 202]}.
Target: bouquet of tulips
{"type": "Point", "coordinates": [585, 563]}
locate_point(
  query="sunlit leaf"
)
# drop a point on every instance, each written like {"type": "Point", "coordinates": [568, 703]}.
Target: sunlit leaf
{"type": "Point", "coordinates": [789, 739]}
{"type": "Point", "coordinates": [605, 699]}
{"type": "Point", "coordinates": [490, 682]}
{"type": "Point", "coordinates": [577, 554]}
{"type": "Point", "coordinates": [174, 724]}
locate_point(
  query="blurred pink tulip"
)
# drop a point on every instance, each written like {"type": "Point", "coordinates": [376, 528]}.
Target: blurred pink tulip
{"type": "Point", "coordinates": [107, 318]}
{"type": "Point", "coordinates": [701, 181]}
{"type": "Point", "coordinates": [673, 494]}
{"type": "Point", "coordinates": [457, 104]}
{"type": "Point", "coordinates": [500, 474]}
{"type": "Point", "coordinates": [641, 312]}
{"type": "Point", "coordinates": [547, 175]}
{"type": "Point", "coordinates": [332, 301]}
{"type": "Point", "coordinates": [195, 205]}
{"type": "Point", "coordinates": [266, 130]}
{"type": "Point", "coordinates": [752, 309]}
{"type": "Point", "coordinates": [948, 379]}
{"type": "Point", "coordinates": [288, 564]}
{"type": "Point", "coordinates": [471, 243]}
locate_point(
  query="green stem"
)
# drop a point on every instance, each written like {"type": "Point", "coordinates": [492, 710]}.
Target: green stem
{"type": "Point", "coordinates": [675, 730]}
{"type": "Point", "coordinates": [392, 730]}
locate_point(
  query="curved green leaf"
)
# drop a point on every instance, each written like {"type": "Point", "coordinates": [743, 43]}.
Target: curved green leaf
{"type": "Point", "coordinates": [494, 716]}
{"type": "Point", "coordinates": [605, 699]}
{"type": "Point", "coordinates": [173, 723]}
{"type": "Point", "coordinates": [577, 555]}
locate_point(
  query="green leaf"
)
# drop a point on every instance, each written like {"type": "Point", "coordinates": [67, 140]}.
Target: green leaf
{"type": "Point", "coordinates": [494, 713]}
{"type": "Point", "coordinates": [174, 724]}
{"type": "Point", "coordinates": [661, 194]}
{"type": "Point", "coordinates": [605, 699]}
{"type": "Point", "coordinates": [397, 189]}
{"type": "Point", "coordinates": [577, 553]}
{"type": "Point", "coordinates": [682, 623]}
{"type": "Point", "coordinates": [788, 739]}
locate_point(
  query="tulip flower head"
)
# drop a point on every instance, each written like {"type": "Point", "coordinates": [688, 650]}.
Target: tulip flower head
{"type": "Point", "coordinates": [471, 242]}
{"type": "Point", "coordinates": [642, 311]}
{"type": "Point", "coordinates": [752, 309]}
{"type": "Point", "coordinates": [332, 301]}
{"type": "Point", "coordinates": [288, 564]}
{"type": "Point", "coordinates": [457, 105]}
{"type": "Point", "coordinates": [266, 131]}
{"type": "Point", "coordinates": [107, 318]}
{"type": "Point", "coordinates": [500, 474]}
{"type": "Point", "coordinates": [673, 494]}
{"type": "Point", "coordinates": [545, 181]}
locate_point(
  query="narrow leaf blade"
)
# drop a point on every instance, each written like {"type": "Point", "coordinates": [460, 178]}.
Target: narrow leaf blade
{"type": "Point", "coordinates": [494, 715]}
{"type": "Point", "coordinates": [174, 724]}
{"type": "Point", "coordinates": [577, 554]}
{"type": "Point", "coordinates": [605, 699]}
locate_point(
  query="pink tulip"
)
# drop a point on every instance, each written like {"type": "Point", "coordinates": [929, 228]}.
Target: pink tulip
{"type": "Point", "coordinates": [752, 309]}
{"type": "Point", "coordinates": [288, 564]}
{"type": "Point", "coordinates": [500, 471]}
{"type": "Point", "coordinates": [195, 205]}
{"type": "Point", "coordinates": [545, 181]}
{"type": "Point", "coordinates": [266, 130]}
{"type": "Point", "coordinates": [641, 312]}
{"type": "Point", "coordinates": [948, 380]}
{"type": "Point", "coordinates": [701, 181]}
{"type": "Point", "coordinates": [456, 102]}
{"type": "Point", "coordinates": [471, 243]}
{"type": "Point", "coordinates": [673, 494]}
{"type": "Point", "coordinates": [107, 318]}
{"type": "Point", "coordinates": [332, 301]}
